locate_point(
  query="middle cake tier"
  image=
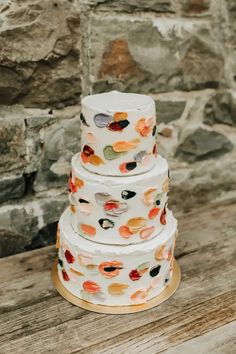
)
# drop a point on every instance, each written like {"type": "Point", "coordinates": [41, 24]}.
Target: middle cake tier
{"type": "Point", "coordinates": [118, 210]}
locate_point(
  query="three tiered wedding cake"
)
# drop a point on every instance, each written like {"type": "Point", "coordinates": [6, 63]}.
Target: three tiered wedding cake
{"type": "Point", "coordinates": [116, 240]}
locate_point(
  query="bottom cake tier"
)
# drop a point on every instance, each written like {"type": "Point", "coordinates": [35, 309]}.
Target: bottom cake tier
{"type": "Point", "coordinates": [115, 275]}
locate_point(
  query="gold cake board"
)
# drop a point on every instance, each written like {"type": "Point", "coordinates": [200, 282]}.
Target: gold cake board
{"type": "Point", "coordinates": [118, 310]}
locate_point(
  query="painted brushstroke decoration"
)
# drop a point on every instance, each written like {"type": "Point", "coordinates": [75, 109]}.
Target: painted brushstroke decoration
{"type": "Point", "coordinates": [118, 126]}
{"type": "Point", "coordinates": [91, 138]}
{"type": "Point", "coordinates": [144, 126]}
{"type": "Point", "coordinates": [115, 208]}
{"type": "Point", "coordinates": [69, 257]}
{"type": "Point", "coordinates": [102, 198]}
{"type": "Point", "coordinates": [91, 287]}
{"type": "Point", "coordinates": [124, 146]}
{"type": "Point", "coordinates": [140, 295]}
{"type": "Point", "coordinates": [76, 272]}
{"type": "Point", "coordinates": [154, 150]}
{"type": "Point", "coordinates": [110, 154]}
{"type": "Point", "coordinates": [136, 274]}
{"type": "Point", "coordinates": [134, 226]}
{"type": "Point", "coordinates": [117, 122]}
{"type": "Point", "coordinates": [117, 289]}
{"type": "Point", "coordinates": [65, 275]}
{"type": "Point", "coordinates": [128, 166]}
{"type": "Point", "coordinates": [83, 120]}
{"type": "Point", "coordinates": [110, 269]}
{"type": "Point", "coordinates": [87, 230]}
{"type": "Point", "coordinates": [155, 271]}
{"type": "Point", "coordinates": [101, 120]}
{"type": "Point", "coordinates": [163, 216]}
{"type": "Point", "coordinates": [92, 269]}
{"type": "Point", "coordinates": [88, 156]}
{"type": "Point", "coordinates": [154, 130]}
{"type": "Point", "coordinates": [119, 148]}
{"type": "Point", "coordinates": [85, 206]}
{"type": "Point", "coordinates": [73, 209]}
{"type": "Point", "coordinates": [106, 223]}
{"type": "Point", "coordinates": [142, 158]}
{"type": "Point", "coordinates": [92, 291]}
{"type": "Point", "coordinates": [126, 194]}
{"type": "Point", "coordinates": [146, 232]}
{"type": "Point", "coordinates": [152, 198]}
{"type": "Point", "coordinates": [74, 185]}
{"type": "Point", "coordinates": [84, 258]}
{"type": "Point", "coordinates": [110, 206]}
{"type": "Point", "coordinates": [149, 196]}
{"type": "Point", "coordinates": [60, 262]}
{"type": "Point", "coordinates": [153, 212]}
{"type": "Point", "coordinates": [167, 277]}
{"type": "Point", "coordinates": [164, 252]}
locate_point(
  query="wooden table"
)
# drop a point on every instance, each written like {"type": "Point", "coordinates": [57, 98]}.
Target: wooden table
{"type": "Point", "coordinates": [199, 318]}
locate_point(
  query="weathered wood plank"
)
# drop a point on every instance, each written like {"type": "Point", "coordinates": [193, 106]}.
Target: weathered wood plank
{"type": "Point", "coordinates": [23, 264]}
{"type": "Point", "coordinates": [37, 320]}
{"type": "Point", "coordinates": [219, 341]}
{"type": "Point", "coordinates": [126, 333]}
{"type": "Point", "coordinates": [25, 278]}
{"type": "Point", "coordinates": [164, 333]}
{"type": "Point", "coordinates": [29, 272]}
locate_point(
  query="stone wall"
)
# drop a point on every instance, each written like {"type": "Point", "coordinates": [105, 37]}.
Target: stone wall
{"type": "Point", "coordinates": [53, 52]}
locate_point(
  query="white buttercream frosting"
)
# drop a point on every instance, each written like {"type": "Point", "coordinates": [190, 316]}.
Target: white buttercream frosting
{"type": "Point", "coordinates": [115, 275]}
{"type": "Point", "coordinates": [120, 210]}
{"type": "Point", "coordinates": [116, 128]}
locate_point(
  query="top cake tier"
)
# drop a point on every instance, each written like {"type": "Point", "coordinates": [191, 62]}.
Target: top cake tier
{"type": "Point", "coordinates": [118, 133]}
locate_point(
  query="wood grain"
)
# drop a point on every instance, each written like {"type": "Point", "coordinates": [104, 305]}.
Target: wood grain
{"type": "Point", "coordinates": [35, 319]}
{"type": "Point", "coordinates": [219, 341]}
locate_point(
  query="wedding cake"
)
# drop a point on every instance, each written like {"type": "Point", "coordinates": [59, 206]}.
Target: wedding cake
{"type": "Point", "coordinates": [116, 240]}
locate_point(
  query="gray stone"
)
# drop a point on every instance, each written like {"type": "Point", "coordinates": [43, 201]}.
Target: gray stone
{"type": "Point", "coordinates": [221, 108]}
{"type": "Point", "coordinates": [229, 37]}
{"type": "Point", "coordinates": [231, 17]}
{"type": "Point", "coordinates": [132, 5]}
{"type": "Point", "coordinates": [203, 144]}
{"type": "Point", "coordinates": [168, 111]}
{"type": "Point", "coordinates": [21, 224]}
{"type": "Point", "coordinates": [55, 84]}
{"type": "Point", "coordinates": [20, 140]}
{"type": "Point", "coordinates": [11, 242]}
{"type": "Point", "coordinates": [122, 57]}
{"type": "Point", "coordinates": [202, 182]}
{"type": "Point", "coordinates": [39, 53]}
{"type": "Point", "coordinates": [11, 187]}
{"type": "Point", "coordinates": [39, 124]}
{"type": "Point", "coordinates": [51, 51]}
{"type": "Point", "coordinates": [39, 120]}
{"type": "Point", "coordinates": [185, 7]}
{"type": "Point", "coordinates": [12, 139]}
{"type": "Point", "coordinates": [195, 7]}
{"type": "Point", "coordinates": [45, 237]}
{"type": "Point", "coordinates": [61, 142]}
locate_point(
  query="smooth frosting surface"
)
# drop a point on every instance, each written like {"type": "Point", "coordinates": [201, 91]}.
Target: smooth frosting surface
{"type": "Point", "coordinates": [118, 210]}
{"type": "Point", "coordinates": [115, 275]}
{"type": "Point", "coordinates": [118, 133]}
